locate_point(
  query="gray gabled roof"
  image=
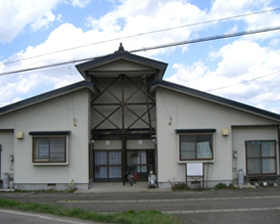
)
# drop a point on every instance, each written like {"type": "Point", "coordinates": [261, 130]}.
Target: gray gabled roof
{"type": "Point", "coordinates": [122, 54]}
{"type": "Point", "coordinates": [214, 98]}
{"type": "Point", "coordinates": [47, 96]}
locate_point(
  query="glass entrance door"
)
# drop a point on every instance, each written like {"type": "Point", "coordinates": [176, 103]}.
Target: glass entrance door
{"type": "Point", "coordinates": [140, 162]}
{"type": "Point", "coordinates": [107, 166]}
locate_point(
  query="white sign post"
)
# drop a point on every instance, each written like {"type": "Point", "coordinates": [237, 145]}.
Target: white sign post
{"type": "Point", "coordinates": [194, 170]}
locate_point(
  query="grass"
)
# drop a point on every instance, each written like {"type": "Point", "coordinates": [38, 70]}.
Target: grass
{"type": "Point", "coordinates": [221, 186]}
{"type": "Point", "coordinates": [179, 186]}
{"type": "Point", "coordinates": [127, 217]}
{"type": "Point", "coordinates": [224, 186]}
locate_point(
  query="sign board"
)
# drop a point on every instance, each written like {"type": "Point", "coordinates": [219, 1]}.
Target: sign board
{"type": "Point", "coordinates": [194, 169]}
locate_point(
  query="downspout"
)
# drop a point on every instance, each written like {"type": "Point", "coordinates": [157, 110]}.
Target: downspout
{"type": "Point", "coordinates": [154, 138]}
{"type": "Point", "coordinates": [123, 135]}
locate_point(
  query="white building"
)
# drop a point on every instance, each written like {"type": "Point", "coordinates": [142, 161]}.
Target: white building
{"type": "Point", "coordinates": [125, 116]}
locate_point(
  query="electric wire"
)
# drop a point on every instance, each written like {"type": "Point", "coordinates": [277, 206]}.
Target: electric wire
{"type": "Point", "coordinates": [251, 80]}
{"type": "Point", "coordinates": [267, 89]}
{"type": "Point", "coordinates": [146, 33]}
{"type": "Point", "coordinates": [244, 33]}
{"type": "Point", "coordinates": [153, 48]}
{"type": "Point", "coordinates": [263, 91]}
{"type": "Point", "coordinates": [46, 66]}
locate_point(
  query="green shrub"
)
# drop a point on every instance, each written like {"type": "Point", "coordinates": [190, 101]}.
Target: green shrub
{"type": "Point", "coordinates": [221, 186]}
{"type": "Point", "coordinates": [179, 186]}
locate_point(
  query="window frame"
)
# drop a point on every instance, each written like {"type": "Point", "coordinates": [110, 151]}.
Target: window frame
{"type": "Point", "coordinates": [107, 166]}
{"type": "Point", "coordinates": [197, 134]}
{"type": "Point", "coordinates": [49, 152]}
{"type": "Point", "coordinates": [50, 135]}
{"type": "Point", "coordinates": [261, 158]}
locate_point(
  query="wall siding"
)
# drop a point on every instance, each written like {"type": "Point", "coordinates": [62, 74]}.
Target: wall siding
{"type": "Point", "coordinates": [242, 134]}
{"type": "Point", "coordinates": [188, 112]}
{"type": "Point", "coordinates": [52, 115]}
{"type": "Point", "coordinates": [7, 142]}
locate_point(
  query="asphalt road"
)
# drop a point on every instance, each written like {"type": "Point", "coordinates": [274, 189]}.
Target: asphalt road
{"type": "Point", "coordinates": [211, 207]}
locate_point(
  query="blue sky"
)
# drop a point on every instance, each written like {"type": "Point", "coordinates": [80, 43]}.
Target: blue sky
{"type": "Point", "coordinates": [245, 69]}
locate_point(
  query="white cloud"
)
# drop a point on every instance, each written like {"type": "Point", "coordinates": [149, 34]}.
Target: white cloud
{"type": "Point", "coordinates": [239, 57]}
{"type": "Point", "coordinates": [241, 62]}
{"type": "Point", "coordinates": [238, 7]}
{"type": "Point", "coordinates": [149, 16]}
{"type": "Point", "coordinates": [44, 21]}
{"type": "Point", "coordinates": [15, 15]}
{"type": "Point", "coordinates": [142, 16]}
{"type": "Point", "coordinates": [80, 3]}
{"type": "Point", "coordinates": [222, 9]}
{"type": "Point", "coordinates": [235, 62]}
{"type": "Point", "coordinates": [10, 91]}
{"type": "Point", "coordinates": [232, 30]}
{"type": "Point", "coordinates": [59, 18]}
{"type": "Point", "coordinates": [274, 43]}
{"type": "Point", "coordinates": [186, 74]}
{"type": "Point", "coordinates": [29, 84]}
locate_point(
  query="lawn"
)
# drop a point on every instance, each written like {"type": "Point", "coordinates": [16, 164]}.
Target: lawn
{"type": "Point", "coordinates": [127, 217]}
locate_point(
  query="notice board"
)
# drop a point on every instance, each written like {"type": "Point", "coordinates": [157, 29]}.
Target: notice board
{"type": "Point", "coordinates": [194, 169]}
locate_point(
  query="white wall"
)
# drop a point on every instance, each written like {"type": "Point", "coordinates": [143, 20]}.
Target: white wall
{"type": "Point", "coordinates": [140, 144]}
{"type": "Point", "coordinates": [52, 115]}
{"type": "Point", "coordinates": [117, 144]}
{"type": "Point", "coordinates": [6, 140]}
{"type": "Point", "coordinates": [188, 112]}
{"type": "Point", "coordinates": [242, 134]}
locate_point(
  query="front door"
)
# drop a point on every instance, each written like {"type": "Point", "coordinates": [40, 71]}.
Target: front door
{"type": "Point", "coordinates": [140, 162]}
{"type": "Point", "coordinates": [107, 165]}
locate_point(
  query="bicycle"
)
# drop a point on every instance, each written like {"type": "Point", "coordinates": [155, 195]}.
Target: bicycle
{"type": "Point", "coordinates": [130, 177]}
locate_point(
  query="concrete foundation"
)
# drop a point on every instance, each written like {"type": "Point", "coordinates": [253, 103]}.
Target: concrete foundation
{"type": "Point", "coordinates": [50, 186]}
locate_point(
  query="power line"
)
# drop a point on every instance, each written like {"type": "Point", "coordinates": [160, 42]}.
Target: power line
{"type": "Point", "coordinates": [244, 33]}
{"type": "Point", "coordinates": [156, 47]}
{"type": "Point", "coordinates": [263, 91]}
{"type": "Point", "coordinates": [146, 33]}
{"type": "Point", "coordinates": [269, 88]}
{"type": "Point", "coordinates": [45, 66]}
{"type": "Point", "coordinates": [251, 80]}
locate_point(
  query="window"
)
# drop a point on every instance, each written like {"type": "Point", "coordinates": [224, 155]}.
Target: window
{"type": "Point", "coordinates": [196, 147]}
{"type": "Point", "coordinates": [261, 157]}
{"type": "Point", "coordinates": [49, 149]}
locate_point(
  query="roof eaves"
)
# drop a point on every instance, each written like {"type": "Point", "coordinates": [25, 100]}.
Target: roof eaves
{"type": "Point", "coordinates": [214, 98]}
{"type": "Point", "coordinates": [161, 66]}
{"type": "Point", "coordinates": [48, 95]}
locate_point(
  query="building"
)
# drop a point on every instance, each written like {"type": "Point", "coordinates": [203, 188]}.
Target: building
{"type": "Point", "coordinates": [123, 115]}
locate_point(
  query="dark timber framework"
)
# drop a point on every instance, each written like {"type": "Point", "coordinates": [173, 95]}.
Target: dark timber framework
{"type": "Point", "coordinates": [123, 105]}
